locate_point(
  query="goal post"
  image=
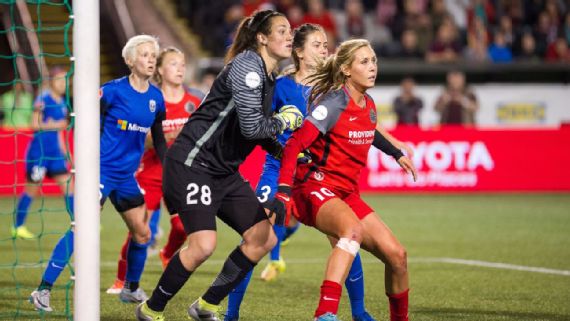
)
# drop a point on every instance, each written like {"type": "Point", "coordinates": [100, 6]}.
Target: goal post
{"type": "Point", "coordinates": [86, 107]}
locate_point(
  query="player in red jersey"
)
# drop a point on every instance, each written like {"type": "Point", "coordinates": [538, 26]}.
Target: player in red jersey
{"type": "Point", "coordinates": [180, 104]}
{"type": "Point", "coordinates": [338, 132]}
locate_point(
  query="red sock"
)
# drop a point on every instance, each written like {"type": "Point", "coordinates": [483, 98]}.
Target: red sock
{"type": "Point", "coordinates": [330, 298]}
{"type": "Point", "coordinates": [399, 306]}
{"type": "Point", "coordinates": [122, 266]}
{"type": "Point", "coordinates": [176, 237]}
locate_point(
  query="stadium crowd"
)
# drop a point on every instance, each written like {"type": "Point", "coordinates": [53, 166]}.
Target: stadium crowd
{"type": "Point", "coordinates": [437, 31]}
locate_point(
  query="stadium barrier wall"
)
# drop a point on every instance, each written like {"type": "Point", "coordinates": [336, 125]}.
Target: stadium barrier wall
{"type": "Point", "coordinates": [447, 158]}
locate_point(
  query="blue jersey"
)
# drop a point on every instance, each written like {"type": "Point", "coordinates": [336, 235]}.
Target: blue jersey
{"type": "Point", "coordinates": [46, 142]}
{"type": "Point", "coordinates": [126, 117]}
{"type": "Point", "coordinates": [287, 92]}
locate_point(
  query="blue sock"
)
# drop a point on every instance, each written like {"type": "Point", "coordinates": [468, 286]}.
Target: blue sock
{"type": "Point", "coordinates": [59, 258]}
{"type": "Point", "coordinates": [154, 222]}
{"type": "Point", "coordinates": [22, 210]}
{"type": "Point", "coordinates": [275, 251]}
{"type": "Point", "coordinates": [355, 286]}
{"type": "Point", "coordinates": [235, 297]}
{"type": "Point", "coordinates": [136, 257]}
{"type": "Point", "coordinates": [69, 206]}
{"type": "Point", "coordinates": [290, 231]}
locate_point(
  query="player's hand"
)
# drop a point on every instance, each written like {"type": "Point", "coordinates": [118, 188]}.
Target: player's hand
{"type": "Point", "coordinates": [281, 205]}
{"type": "Point", "coordinates": [290, 117]}
{"type": "Point", "coordinates": [409, 151]}
{"type": "Point", "coordinates": [408, 166]}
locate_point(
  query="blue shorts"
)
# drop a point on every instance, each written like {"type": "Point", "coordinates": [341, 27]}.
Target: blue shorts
{"type": "Point", "coordinates": [124, 193]}
{"type": "Point", "coordinates": [267, 186]}
{"type": "Point", "coordinates": [50, 164]}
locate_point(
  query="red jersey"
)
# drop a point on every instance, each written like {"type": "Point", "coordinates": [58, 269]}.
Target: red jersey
{"type": "Point", "coordinates": [340, 151]}
{"type": "Point", "coordinates": [176, 116]}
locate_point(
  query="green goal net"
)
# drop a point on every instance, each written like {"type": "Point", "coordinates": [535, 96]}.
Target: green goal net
{"type": "Point", "coordinates": [35, 37]}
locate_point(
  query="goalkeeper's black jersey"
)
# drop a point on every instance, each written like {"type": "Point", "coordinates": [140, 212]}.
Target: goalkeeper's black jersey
{"type": "Point", "coordinates": [233, 118]}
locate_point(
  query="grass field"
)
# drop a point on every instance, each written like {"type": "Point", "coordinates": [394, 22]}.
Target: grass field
{"type": "Point", "coordinates": [451, 242]}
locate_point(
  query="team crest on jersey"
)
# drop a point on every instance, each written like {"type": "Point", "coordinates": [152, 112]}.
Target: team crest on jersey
{"type": "Point", "coordinates": [190, 107]}
{"type": "Point", "coordinates": [373, 116]}
{"type": "Point", "coordinates": [152, 105]}
{"type": "Point", "coordinates": [319, 176]}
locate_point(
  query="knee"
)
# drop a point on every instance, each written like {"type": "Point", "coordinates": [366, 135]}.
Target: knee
{"type": "Point", "coordinates": [201, 250]}
{"type": "Point", "coordinates": [142, 235]}
{"type": "Point", "coordinates": [353, 232]}
{"type": "Point", "coordinates": [399, 260]}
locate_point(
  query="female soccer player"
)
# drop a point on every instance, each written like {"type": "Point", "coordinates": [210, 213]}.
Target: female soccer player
{"type": "Point", "coordinates": [45, 155]}
{"type": "Point", "coordinates": [170, 74]}
{"type": "Point", "coordinates": [338, 132]}
{"type": "Point", "coordinates": [130, 108]}
{"type": "Point", "coordinates": [309, 47]}
{"type": "Point", "coordinates": [201, 178]}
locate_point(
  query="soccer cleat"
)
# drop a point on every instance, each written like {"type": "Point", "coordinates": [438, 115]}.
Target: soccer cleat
{"type": "Point", "coordinates": [365, 316]}
{"type": "Point", "coordinates": [285, 242]}
{"type": "Point", "coordinates": [144, 313]}
{"type": "Point", "coordinates": [116, 287]}
{"type": "Point", "coordinates": [40, 300]}
{"type": "Point", "coordinates": [201, 310]}
{"type": "Point", "coordinates": [136, 296]}
{"type": "Point", "coordinates": [23, 233]}
{"type": "Point", "coordinates": [163, 259]}
{"type": "Point", "coordinates": [327, 317]}
{"type": "Point", "coordinates": [273, 269]}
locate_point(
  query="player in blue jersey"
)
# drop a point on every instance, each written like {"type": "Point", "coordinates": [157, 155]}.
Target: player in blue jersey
{"type": "Point", "coordinates": [309, 45]}
{"type": "Point", "coordinates": [130, 108]}
{"type": "Point", "coordinates": [46, 151]}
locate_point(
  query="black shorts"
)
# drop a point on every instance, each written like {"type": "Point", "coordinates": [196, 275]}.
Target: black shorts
{"type": "Point", "coordinates": [198, 197]}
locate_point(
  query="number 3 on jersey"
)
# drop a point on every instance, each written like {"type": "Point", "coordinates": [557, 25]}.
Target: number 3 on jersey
{"type": "Point", "coordinates": [205, 196]}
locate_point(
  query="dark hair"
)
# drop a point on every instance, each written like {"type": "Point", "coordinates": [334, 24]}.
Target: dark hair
{"type": "Point", "coordinates": [300, 35]}
{"type": "Point", "coordinates": [260, 21]}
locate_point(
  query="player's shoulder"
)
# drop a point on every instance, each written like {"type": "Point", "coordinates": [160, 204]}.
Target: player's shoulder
{"type": "Point", "coordinates": [248, 60]}
{"type": "Point", "coordinates": [334, 98]}
{"type": "Point", "coordinates": [155, 92]}
{"type": "Point", "coordinates": [107, 89]}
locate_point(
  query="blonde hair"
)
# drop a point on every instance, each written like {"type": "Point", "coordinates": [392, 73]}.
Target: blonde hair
{"type": "Point", "coordinates": [160, 59]}
{"type": "Point", "coordinates": [130, 48]}
{"type": "Point", "coordinates": [329, 73]}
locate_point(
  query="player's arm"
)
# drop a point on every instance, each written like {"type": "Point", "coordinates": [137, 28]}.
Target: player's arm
{"type": "Point", "coordinates": [37, 122]}
{"type": "Point", "coordinates": [393, 141]}
{"type": "Point", "coordinates": [158, 140]}
{"type": "Point", "coordinates": [383, 144]}
{"type": "Point", "coordinates": [246, 79]}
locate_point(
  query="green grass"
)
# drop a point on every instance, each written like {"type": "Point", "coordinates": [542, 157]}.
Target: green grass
{"type": "Point", "coordinates": [529, 230]}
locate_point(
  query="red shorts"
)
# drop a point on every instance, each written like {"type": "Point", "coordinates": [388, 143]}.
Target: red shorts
{"type": "Point", "coordinates": [309, 197]}
{"type": "Point", "coordinates": [152, 192]}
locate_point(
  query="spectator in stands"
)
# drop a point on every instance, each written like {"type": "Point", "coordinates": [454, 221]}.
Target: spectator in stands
{"type": "Point", "coordinates": [458, 10]}
{"type": "Point", "coordinates": [446, 47]}
{"type": "Point", "coordinates": [565, 29]}
{"type": "Point", "coordinates": [318, 14]}
{"type": "Point", "coordinates": [558, 51]}
{"type": "Point", "coordinates": [386, 11]}
{"type": "Point", "coordinates": [412, 17]}
{"type": "Point", "coordinates": [477, 41]}
{"type": "Point", "coordinates": [544, 33]}
{"type": "Point", "coordinates": [406, 49]}
{"type": "Point", "coordinates": [16, 106]}
{"type": "Point", "coordinates": [483, 9]}
{"type": "Point", "coordinates": [457, 104]}
{"type": "Point", "coordinates": [438, 12]}
{"type": "Point", "coordinates": [295, 15]}
{"type": "Point", "coordinates": [498, 51]}
{"type": "Point", "coordinates": [506, 27]}
{"type": "Point", "coordinates": [407, 106]}
{"type": "Point", "coordinates": [527, 51]}
{"type": "Point", "coordinates": [232, 17]}
{"type": "Point", "coordinates": [354, 23]}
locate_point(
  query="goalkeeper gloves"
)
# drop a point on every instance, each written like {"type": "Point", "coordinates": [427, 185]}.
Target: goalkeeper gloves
{"type": "Point", "coordinates": [290, 117]}
{"type": "Point", "coordinates": [281, 205]}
